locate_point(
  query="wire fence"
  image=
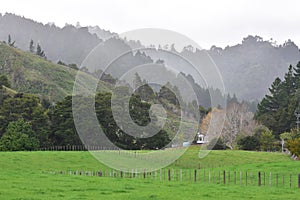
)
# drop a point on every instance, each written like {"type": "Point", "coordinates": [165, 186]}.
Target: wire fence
{"type": "Point", "coordinates": [196, 164]}
{"type": "Point", "coordinates": [247, 178]}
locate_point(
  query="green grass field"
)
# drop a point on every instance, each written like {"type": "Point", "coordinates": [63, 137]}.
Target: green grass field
{"type": "Point", "coordinates": [27, 175]}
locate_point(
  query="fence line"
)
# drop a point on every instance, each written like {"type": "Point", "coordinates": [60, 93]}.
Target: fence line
{"type": "Point", "coordinates": [130, 153]}
{"type": "Point", "coordinates": [247, 178]}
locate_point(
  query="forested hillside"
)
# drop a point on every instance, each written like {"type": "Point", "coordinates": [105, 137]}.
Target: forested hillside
{"type": "Point", "coordinates": [247, 68]}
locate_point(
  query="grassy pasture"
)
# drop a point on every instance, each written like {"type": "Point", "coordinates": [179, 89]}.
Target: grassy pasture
{"type": "Point", "coordinates": [26, 175]}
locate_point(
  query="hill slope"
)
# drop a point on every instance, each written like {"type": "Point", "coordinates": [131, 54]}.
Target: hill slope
{"type": "Point", "coordinates": [32, 74]}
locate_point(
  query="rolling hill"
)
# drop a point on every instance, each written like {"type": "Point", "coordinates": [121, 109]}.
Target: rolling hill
{"type": "Point", "coordinates": [30, 73]}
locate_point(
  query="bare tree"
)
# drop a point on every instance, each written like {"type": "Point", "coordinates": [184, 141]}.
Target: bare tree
{"type": "Point", "coordinates": [237, 120]}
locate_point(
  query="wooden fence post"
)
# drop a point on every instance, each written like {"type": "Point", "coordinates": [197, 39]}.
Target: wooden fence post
{"type": "Point", "coordinates": [160, 174]}
{"type": "Point", "coordinates": [169, 174]}
{"type": "Point", "coordinates": [241, 178]}
{"type": "Point", "coordinates": [298, 180]}
{"type": "Point", "coordinates": [224, 177]}
{"type": "Point", "coordinates": [283, 180]}
{"type": "Point", "coordinates": [180, 174]}
{"type": "Point", "coordinates": [234, 178]}
{"type": "Point", "coordinates": [195, 175]}
{"type": "Point", "coordinates": [277, 180]}
{"type": "Point", "coordinates": [259, 179]}
{"type": "Point", "coordinates": [270, 178]}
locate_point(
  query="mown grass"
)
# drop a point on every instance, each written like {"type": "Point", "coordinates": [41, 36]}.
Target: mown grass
{"type": "Point", "coordinates": [26, 175]}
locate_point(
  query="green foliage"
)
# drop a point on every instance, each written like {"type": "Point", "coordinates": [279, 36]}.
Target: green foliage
{"type": "Point", "coordinates": [10, 42]}
{"type": "Point", "coordinates": [259, 130]}
{"type": "Point", "coordinates": [289, 135]}
{"type": "Point", "coordinates": [294, 146]}
{"type": "Point", "coordinates": [31, 46]}
{"type": "Point", "coordinates": [29, 73]}
{"type": "Point", "coordinates": [170, 94]}
{"type": "Point", "coordinates": [28, 108]}
{"type": "Point", "coordinates": [139, 112]}
{"type": "Point", "coordinates": [248, 143]}
{"type": "Point", "coordinates": [277, 110]}
{"type": "Point", "coordinates": [63, 131]}
{"type": "Point", "coordinates": [19, 136]}
{"type": "Point", "coordinates": [292, 141]}
{"type": "Point", "coordinates": [4, 81]}
{"type": "Point", "coordinates": [145, 92]}
{"type": "Point", "coordinates": [217, 144]}
{"type": "Point", "coordinates": [266, 141]}
{"type": "Point", "coordinates": [39, 51]}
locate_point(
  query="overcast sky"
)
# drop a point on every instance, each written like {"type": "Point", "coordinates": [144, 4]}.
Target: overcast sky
{"type": "Point", "coordinates": [208, 22]}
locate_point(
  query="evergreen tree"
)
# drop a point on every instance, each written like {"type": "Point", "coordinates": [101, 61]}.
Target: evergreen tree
{"type": "Point", "coordinates": [31, 46]}
{"type": "Point", "coordinates": [39, 51]}
{"type": "Point", "coordinates": [276, 110]}
{"type": "Point", "coordinates": [297, 76]}
{"type": "Point", "coordinates": [9, 41]}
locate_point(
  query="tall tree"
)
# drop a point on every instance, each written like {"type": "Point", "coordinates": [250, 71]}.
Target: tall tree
{"type": "Point", "coordinates": [239, 121]}
{"type": "Point", "coordinates": [39, 51]}
{"type": "Point", "coordinates": [63, 131]}
{"type": "Point", "coordinates": [31, 46]}
{"type": "Point", "coordinates": [19, 136]}
{"type": "Point", "coordinates": [9, 41]}
{"type": "Point", "coordinates": [276, 110]}
{"type": "Point", "coordinates": [29, 108]}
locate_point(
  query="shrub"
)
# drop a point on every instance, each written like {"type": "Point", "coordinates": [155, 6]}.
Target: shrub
{"type": "Point", "coordinates": [294, 146]}
{"type": "Point", "coordinates": [217, 144]}
{"type": "Point", "coordinates": [248, 143]}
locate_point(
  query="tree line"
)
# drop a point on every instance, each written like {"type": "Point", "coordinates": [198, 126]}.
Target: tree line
{"type": "Point", "coordinates": [277, 109]}
{"type": "Point", "coordinates": [29, 123]}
